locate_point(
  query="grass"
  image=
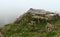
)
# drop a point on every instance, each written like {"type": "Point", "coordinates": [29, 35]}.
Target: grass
{"type": "Point", "coordinates": [22, 28]}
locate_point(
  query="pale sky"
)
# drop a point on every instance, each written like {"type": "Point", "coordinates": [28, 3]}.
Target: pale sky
{"type": "Point", "coordinates": [11, 9]}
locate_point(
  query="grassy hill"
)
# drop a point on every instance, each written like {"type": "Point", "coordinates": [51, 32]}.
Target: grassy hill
{"type": "Point", "coordinates": [23, 27]}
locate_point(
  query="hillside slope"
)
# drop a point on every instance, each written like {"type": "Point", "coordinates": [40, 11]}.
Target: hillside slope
{"type": "Point", "coordinates": [25, 27]}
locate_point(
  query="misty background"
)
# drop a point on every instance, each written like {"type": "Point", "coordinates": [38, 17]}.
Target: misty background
{"type": "Point", "coordinates": [12, 9]}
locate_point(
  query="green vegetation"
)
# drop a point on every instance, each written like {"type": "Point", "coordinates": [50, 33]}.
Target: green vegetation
{"type": "Point", "coordinates": [23, 28]}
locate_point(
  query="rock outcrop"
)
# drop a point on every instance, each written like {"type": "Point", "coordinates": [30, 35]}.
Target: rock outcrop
{"type": "Point", "coordinates": [39, 13]}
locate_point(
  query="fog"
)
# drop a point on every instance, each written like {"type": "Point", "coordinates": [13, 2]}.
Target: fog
{"type": "Point", "coordinates": [12, 9]}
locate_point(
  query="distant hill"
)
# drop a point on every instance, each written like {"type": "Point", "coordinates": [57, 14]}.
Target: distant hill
{"type": "Point", "coordinates": [34, 23]}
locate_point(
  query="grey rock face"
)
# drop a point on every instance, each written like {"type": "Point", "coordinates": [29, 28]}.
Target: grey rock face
{"type": "Point", "coordinates": [37, 11]}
